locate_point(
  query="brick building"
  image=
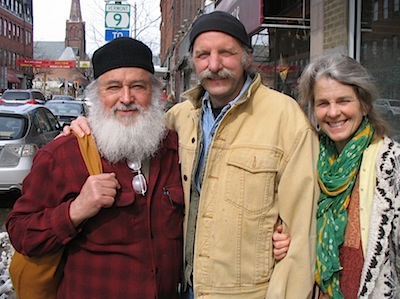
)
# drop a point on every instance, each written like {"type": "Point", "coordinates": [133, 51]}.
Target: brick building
{"type": "Point", "coordinates": [16, 41]}
{"type": "Point", "coordinates": [75, 36]}
{"type": "Point", "coordinates": [287, 34]}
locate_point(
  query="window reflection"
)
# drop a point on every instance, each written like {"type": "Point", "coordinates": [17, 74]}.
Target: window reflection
{"type": "Point", "coordinates": [380, 24]}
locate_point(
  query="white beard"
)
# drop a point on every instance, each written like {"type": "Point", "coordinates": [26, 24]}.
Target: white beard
{"type": "Point", "coordinates": [137, 137]}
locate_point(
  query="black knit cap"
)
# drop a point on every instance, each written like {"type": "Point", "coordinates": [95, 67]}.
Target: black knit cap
{"type": "Point", "coordinates": [219, 21]}
{"type": "Point", "coordinates": [122, 52]}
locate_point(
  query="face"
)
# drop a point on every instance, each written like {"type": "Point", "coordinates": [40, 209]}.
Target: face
{"type": "Point", "coordinates": [338, 110]}
{"type": "Point", "coordinates": [217, 59]}
{"type": "Point", "coordinates": [121, 87]}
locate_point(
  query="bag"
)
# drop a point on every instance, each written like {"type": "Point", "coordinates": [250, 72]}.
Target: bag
{"type": "Point", "coordinates": [39, 277]}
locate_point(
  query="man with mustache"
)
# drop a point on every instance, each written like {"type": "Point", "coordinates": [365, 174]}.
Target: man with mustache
{"type": "Point", "coordinates": [248, 156]}
{"type": "Point", "coordinates": [122, 229]}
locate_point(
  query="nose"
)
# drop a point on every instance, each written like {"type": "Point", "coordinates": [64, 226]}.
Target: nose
{"type": "Point", "coordinates": [333, 110]}
{"type": "Point", "coordinates": [214, 62]}
{"type": "Point", "coordinates": [126, 95]}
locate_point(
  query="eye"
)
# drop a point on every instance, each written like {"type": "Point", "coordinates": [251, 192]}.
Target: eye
{"type": "Point", "coordinates": [113, 88]}
{"type": "Point", "coordinates": [344, 100]}
{"type": "Point", "coordinates": [202, 55]}
{"type": "Point", "coordinates": [226, 53]}
{"type": "Point", "coordinates": [321, 104]}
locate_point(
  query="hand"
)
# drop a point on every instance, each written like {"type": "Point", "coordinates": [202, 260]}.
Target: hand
{"type": "Point", "coordinates": [80, 126]}
{"type": "Point", "coordinates": [281, 243]}
{"type": "Point", "coordinates": [97, 192]}
{"type": "Point", "coordinates": [322, 296]}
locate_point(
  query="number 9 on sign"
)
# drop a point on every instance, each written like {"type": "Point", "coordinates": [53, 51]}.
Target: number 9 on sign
{"type": "Point", "coordinates": [117, 20]}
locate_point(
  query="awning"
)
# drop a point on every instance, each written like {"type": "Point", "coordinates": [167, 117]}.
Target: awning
{"type": "Point", "coordinates": [12, 77]}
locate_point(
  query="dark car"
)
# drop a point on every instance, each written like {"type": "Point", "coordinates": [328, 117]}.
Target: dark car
{"type": "Point", "coordinates": [67, 110]}
{"type": "Point", "coordinates": [22, 96]}
{"type": "Point", "coordinates": [24, 129]}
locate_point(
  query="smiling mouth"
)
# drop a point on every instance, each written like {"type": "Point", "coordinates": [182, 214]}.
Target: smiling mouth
{"type": "Point", "coordinates": [336, 124]}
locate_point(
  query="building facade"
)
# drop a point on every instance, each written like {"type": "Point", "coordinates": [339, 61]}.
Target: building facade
{"type": "Point", "coordinates": [16, 41]}
{"type": "Point", "coordinates": [75, 35]}
{"type": "Point", "coordinates": [288, 34]}
{"type": "Point", "coordinates": [71, 80]}
{"type": "Point", "coordinates": [176, 19]}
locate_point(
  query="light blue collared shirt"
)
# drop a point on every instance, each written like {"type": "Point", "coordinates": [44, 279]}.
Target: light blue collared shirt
{"type": "Point", "coordinates": [210, 124]}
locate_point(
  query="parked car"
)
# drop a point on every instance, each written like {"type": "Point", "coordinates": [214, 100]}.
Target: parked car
{"type": "Point", "coordinates": [67, 110]}
{"type": "Point", "coordinates": [24, 129]}
{"type": "Point", "coordinates": [389, 108]}
{"type": "Point", "coordinates": [62, 97]}
{"type": "Point", "coordinates": [22, 96]}
{"type": "Point", "coordinates": [84, 99]}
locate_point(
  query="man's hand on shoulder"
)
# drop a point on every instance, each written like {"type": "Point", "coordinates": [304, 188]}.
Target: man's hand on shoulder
{"type": "Point", "coordinates": [79, 125]}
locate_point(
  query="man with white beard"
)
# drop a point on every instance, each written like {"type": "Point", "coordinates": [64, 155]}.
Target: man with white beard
{"type": "Point", "coordinates": [122, 229]}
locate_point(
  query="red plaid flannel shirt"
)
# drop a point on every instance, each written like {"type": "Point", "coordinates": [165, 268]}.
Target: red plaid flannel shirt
{"type": "Point", "coordinates": [131, 250]}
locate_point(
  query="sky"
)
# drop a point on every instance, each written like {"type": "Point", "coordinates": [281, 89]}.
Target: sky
{"type": "Point", "coordinates": [50, 16]}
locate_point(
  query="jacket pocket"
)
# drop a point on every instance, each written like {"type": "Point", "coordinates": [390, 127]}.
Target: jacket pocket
{"type": "Point", "coordinates": [251, 178]}
{"type": "Point", "coordinates": [173, 207]}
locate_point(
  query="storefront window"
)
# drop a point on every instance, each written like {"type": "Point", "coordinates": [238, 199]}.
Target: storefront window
{"type": "Point", "coordinates": [380, 23]}
{"type": "Point", "coordinates": [280, 55]}
{"type": "Point", "coordinates": [282, 48]}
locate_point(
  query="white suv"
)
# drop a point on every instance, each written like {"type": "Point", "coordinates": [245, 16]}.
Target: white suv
{"type": "Point", "coordinates": [389, 108]}
{"type": "Point", "coordinates": [22, 96]}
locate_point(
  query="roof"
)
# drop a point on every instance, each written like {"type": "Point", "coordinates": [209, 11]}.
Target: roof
{"type": "Point", "coordinates": [68, 54]}
{"type": "Point", "coordinates": [48, 50]}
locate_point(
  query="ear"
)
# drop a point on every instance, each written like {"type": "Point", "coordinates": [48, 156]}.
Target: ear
{"type": "Point", "coordinates": [249, 62]}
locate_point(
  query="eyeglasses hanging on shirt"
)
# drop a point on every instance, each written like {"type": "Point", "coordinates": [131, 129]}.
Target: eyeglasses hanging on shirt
{"type": "Point", "coordinates": [138, 182]}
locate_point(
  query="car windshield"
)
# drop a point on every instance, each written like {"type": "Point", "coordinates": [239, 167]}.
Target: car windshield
{"type": "Point", "coordinates": [16, 95]}
{"type": "Point", "coordinates": [395, 103]}
{"type": "Point", "coordinates": [65, 108]}
{"type": "Point", "coordinates": [12, 127]}
{"type": "Point", "coordinates": [65, 98]}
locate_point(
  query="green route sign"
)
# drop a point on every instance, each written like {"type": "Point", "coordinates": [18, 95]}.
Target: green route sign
{"type": "Point", "coordinates": [117, 16]}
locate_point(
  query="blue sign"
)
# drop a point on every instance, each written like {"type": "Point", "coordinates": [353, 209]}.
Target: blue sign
{"type": "Point", "coordinates": [113, 34]}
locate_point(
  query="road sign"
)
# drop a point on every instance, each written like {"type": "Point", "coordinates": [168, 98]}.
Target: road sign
{"type": "Point", "coordinates": [113, 34]}
{"type": "Point", "coordinates": [117, 16]}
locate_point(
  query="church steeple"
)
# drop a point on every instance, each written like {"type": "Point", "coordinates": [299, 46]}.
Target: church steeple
{"type": "Point", "coordinates": [75, 36]}
{"type": "Point", "coordinates": [75, 15]}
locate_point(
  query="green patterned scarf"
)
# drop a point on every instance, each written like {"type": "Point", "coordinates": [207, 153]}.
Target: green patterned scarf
{"type": "Point", "coordinates": [336, 176]}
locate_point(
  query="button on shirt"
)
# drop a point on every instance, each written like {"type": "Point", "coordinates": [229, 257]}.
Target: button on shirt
{"type": "Point", "coordinates": [210, 125]}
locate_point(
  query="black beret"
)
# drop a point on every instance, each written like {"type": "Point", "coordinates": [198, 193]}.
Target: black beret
{"type": "Point", "coordinates": [219, 21]}
{"type": "Point", "coordinates": [122, 52]}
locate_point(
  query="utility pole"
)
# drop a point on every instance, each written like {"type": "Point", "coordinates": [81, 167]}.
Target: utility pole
{"type": "Point", "coordinates": [134, 15]}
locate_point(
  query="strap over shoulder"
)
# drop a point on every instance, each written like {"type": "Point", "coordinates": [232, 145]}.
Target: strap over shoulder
{"type": "Point", "coordinates": [90, 154]}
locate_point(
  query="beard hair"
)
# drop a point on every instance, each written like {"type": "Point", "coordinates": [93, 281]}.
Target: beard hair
{"type": "Point", "coordinates": [137, 137]}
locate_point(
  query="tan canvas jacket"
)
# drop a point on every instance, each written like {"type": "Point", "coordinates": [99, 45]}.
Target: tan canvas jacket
{"type": "Point", "coordinates": [261, 166]}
